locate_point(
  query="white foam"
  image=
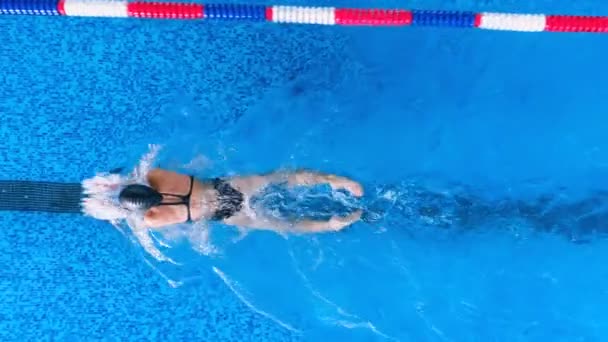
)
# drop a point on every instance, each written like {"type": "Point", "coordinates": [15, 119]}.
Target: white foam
{"type": "Point", "coordinates": [101, 197]}
{"type": "Point", "coordinates": [101, 202]}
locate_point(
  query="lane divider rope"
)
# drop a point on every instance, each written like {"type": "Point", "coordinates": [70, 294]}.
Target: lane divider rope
{"type": "Point", "coordinates": [308, 15]}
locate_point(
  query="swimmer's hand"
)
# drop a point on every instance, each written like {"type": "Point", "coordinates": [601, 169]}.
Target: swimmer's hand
{"type": "Point", "coordinates": [339, 222]}
{"type": "Point", "coordinates": [343, 183]}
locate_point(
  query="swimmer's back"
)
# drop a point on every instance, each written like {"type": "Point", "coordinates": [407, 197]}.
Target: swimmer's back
{"type": "Point", "coordinates": [169, 182]}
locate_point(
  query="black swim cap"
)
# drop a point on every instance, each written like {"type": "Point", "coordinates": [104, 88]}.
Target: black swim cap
{"type": "Point", "coordinates": [139, 197]}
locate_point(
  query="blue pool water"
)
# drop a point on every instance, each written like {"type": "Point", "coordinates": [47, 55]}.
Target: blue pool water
{"type": "Point", "coordinates": [434, 123]}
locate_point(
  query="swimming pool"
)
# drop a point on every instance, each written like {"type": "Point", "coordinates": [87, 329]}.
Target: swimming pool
{"type": "Point", "coordinates": [491, 116]}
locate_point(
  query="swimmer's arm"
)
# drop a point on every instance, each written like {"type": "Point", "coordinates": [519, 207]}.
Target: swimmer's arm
{"type": "Point", "coordinates": [336, 223]}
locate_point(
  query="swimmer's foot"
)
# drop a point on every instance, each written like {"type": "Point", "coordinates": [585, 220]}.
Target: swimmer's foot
{"type": "Point", "coordinates": [339, 222]}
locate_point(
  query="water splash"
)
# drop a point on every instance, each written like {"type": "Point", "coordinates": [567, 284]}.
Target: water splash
{"type": "Point", "coordinates": [318, 202]}
{"type": "Point", "coordinates": [101, 202]}
{"type": "Point", "coordinates": [415, 208]}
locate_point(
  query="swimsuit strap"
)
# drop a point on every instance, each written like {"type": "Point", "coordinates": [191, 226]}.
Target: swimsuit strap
{"type": "Point", "coordinates": [184, 199]}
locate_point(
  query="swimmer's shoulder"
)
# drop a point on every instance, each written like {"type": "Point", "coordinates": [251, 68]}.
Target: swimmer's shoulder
{"type": "Point", "coordinates": [155, 173]}
{"type": "Point", "coordinates": [161, 176]}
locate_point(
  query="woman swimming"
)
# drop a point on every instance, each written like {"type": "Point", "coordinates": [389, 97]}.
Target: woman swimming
{"type": "Point", "coordinates": [172, 198]}
{"type": "Point", "coordinates": [153, 198]}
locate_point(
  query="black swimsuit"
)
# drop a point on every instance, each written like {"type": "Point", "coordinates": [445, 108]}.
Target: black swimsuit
{"type": "Point", "coordinates": [183, 199]}
{"type": "Point", "coordinates": [229, 200]}
{"type": "Point", "coordinates": [138, 197]}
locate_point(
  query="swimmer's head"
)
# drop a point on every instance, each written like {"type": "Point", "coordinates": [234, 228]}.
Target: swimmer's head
{"type": "Point", "coordinates": [115, 197]}
{"type": "Point", "coordinates": [139, 197]}
{"type": "Point", "coordinates": [100, 198]}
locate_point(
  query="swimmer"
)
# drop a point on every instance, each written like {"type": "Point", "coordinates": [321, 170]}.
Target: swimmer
{"type": "Point", "coordinates": [170, 198]}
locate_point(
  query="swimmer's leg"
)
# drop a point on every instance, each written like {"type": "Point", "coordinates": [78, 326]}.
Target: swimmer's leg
{"type": "Point", "coordinates": [309, 178]}
{"type": "Point", "coordinates": [335, 223]}
{"type": "Point", "coordinates": [252, 184]}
